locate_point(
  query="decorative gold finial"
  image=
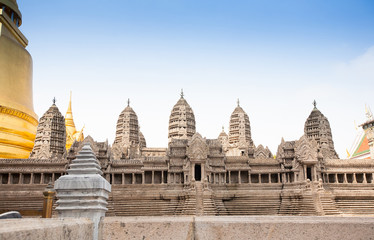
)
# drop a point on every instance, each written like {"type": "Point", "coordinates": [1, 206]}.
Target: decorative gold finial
{"type": "Point", "coordinates": [54, 100]}
{"type": "Point", "coordinates": [182, 94]}
{"type": "Point", "coordinates": [315, 104]}
{"type": "Point", "coordinates": [128, 102]}
{"type": "Point", "coordinates": [238, 102]}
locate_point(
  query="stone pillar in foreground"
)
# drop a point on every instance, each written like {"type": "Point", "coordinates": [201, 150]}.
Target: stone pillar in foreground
{"type": "Point", "coordinates": [49, 194]}
{"type": "Point", "coordinates": [83, 192]}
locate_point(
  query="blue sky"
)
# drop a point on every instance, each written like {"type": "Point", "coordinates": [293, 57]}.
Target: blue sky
{"type": "Point", "coordinates": [276, 56]}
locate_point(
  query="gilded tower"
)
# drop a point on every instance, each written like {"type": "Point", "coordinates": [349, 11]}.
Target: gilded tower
{"type": "Point", "coordinates": [71, 132]}
{"type": "Point", "coordinates": [182, 123]}
{"type": "Point", "coordinates": [18, 121]}
{"type": "Point", "coordinates": [317, 127]}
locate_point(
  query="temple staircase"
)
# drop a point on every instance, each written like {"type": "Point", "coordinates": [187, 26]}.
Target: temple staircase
{"type": "Point", "coordinates": [356, 206]}
{"type": "Point", "coordinates": [253, 205]}
{"type": "Point", "coordinates": [199, 202]}
{"type": "Point", "coordinates": [328, 203]}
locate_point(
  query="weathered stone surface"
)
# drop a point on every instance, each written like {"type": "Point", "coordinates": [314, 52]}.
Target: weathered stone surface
{"type": "Point", "coordinates": [84, 192]}
{"type": "Point", "coordinates": [146, 228]}
{"type": "Point", "coordinates": [259, 227]}
{"type": "Point", "coordinates": [33, 228]}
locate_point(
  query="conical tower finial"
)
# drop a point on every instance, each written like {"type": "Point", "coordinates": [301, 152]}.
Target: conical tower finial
{"type": "Point", "coordinates": [238, 102]}
{"type": "Point", "coordinates": [315, 104]}
{"type": "Point", "coordinates": [128, 102]}
{"type": "Point", "coordinates": [69, 106]}
{"type": "Point", "coordinates": [182, 94]}
{"type": "Point", "coordinates": [69, 122]}
{"type": "Point", "coordinates": [54, 100]}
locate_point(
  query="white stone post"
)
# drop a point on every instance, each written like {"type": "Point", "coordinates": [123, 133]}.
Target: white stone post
{"type": "Point", "coordinates": [83, 192]}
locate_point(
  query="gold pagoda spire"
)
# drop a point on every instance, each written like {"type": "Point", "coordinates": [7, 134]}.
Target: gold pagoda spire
{"type": "Point", "coordinates": [71, 132]}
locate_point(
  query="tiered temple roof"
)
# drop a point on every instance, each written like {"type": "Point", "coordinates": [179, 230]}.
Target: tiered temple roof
{"type": "Point", "coordinates": [127, 131]}
{"type": "Point", "coordinates": [50, 135]}
{"type": "Point", "coordinates": [317, 127]}
{"type": "Point", "coordinates": [182, 123]}
{"type": "Point", "coordinates": [240, 128]}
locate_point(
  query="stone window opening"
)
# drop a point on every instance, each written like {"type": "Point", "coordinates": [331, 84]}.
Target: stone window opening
{"type": "Point", "coordinates": [309, 173]}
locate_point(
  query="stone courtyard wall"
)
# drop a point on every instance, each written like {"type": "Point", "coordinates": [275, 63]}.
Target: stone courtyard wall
{"type": "Point", "coordinates": [36, 228]}
{"type": "Point", "coordinates": [225, 227]}
{"type": "Point", "coordinates": [185, 227]}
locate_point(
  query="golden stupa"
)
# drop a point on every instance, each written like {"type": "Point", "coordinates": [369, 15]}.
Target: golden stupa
{"type": "Point", "coordinates": [18, 121]}
{"type": "Point", "coordinates": [71, 132]}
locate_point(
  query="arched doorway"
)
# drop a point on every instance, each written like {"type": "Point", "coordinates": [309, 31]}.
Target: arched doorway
{"type": "Point", "coordinates": [197, 172]}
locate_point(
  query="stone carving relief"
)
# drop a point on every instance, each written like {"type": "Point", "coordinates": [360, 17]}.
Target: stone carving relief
{"type": "Point", "coordinates": [197, 149]}
{"type": "Point", "coordinates": [262, 153]}
{"type": "Point", "coordinates": [306, 150]}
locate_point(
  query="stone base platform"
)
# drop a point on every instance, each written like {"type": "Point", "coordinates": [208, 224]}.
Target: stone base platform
{"type": "Point", "coordinates": [197, 228]}
{"type": "Point", "coordinates": [238, 227]}
{"type": "Point", "coordinates": [52, 228]}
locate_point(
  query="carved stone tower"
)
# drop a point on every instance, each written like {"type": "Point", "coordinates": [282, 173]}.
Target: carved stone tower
{"type": "Point", "coordinates": [182, 123]}
{"type": "Point", "coordinates": [50, 135]}
{"type": "Point", "coordinates": [127, 132]}
{"type": "Point", "coordinates": [129, 140]}
{"type": "Point", "coordinates": [240, 129]}
{"type": "Point", "coordinates": [317, 127]}
{"type": "Point", "coordinates": [18, 120]}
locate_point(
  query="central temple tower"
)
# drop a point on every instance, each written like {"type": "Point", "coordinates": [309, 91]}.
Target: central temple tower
{"type": "Point", "coordinates": [182, 123]}
{"type": "Point", "coordinates": [18, 121]}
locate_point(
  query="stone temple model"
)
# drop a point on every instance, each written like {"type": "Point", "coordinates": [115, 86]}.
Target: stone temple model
{"type": "Point", "coordinates": [229, 175]}
{"type": "Point", "coordinates": [18, 121]}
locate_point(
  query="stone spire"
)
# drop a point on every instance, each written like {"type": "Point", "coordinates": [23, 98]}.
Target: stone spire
{"type": "Point", "coordinates": [240, 129]}
{"type": "Point", "coordinates": [50, 135]}
{"type": "Point", "coordinates": [182, 123]}
{"type": "Point", "coordinates": [224, 139]}
{"type": "Point", "coordinates": [71, 132]}
{"type": "Point", "coordinates": [83, 192]}
{"type": "Point", "coordinates": [317, 127]}
{"type": "Point", "coordinates": [127, 132]}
